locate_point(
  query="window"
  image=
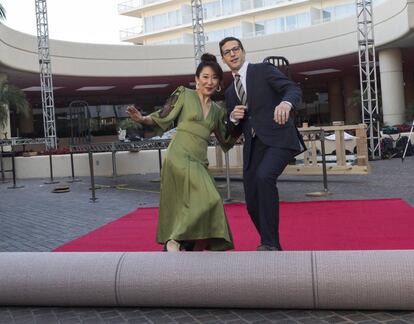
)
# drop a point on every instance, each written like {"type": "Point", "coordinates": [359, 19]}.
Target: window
{"type": "Point", "coordinates": [290, 23]}
{"type": "Point", "coordinates": [218, 35]}
{"type": "Point", "coordinates": [259, 28]}
{"type": "Point", "coordinates": [275, 25]}
{"type": "Point", "coordinates": [326, 15]}
{"type": "Point", "coordinates": [338, 12]}
{"type": "Point", "coordinates": [174, 18]}
{"type": "Point", "coordinates": [230, 7]}
{"type": "Point", "coordinates": [233, 31]}
{"type": "Point", "coordinates": [258, 3]}
{"type": "Point", "coordinates": [298, 21]}
{"type": "Point", "coordinates": [165, 20]}
{"type": "Point", "coordinates": [211, 10]}
{"type": "Point", "coordinates": [344, 11]}
{"type": "Point", "coordinates": [303, 20]}
{"type": "Point", "coordinates": [270, 26]}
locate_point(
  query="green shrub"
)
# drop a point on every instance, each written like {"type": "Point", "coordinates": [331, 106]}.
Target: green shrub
{"type": "Point", "coordinates": [128, 123]}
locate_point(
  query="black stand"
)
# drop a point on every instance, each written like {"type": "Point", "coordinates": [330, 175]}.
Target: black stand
{"type": "Point", "coordinates": [51, 171]}
{"type": "Point", "coordinates": [408, 141]}
{"type": "Point", "coordinates": [160, 166]}
{"type": "Point", "coordinates": [3, 177]}
{"type": "Point", "coordinates": [325, 191]}
{"type": "Point", "coordinates": [14, 174]}
{"type": "Point", "coordinates": [72, 166]}
{"type": "Point", "coordinates": [226, 157]}
{"type": "Point", "coordinates": [93, 199]}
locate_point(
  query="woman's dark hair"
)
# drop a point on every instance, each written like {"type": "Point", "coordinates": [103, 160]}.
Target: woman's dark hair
{"type": "Point", "coordinates": [210, 60]}
{"type": "Point", "coordinates": [229, 39]}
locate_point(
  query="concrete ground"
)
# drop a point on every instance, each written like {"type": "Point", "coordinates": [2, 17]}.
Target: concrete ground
{"type": "Point", "coordinates": [33, 218]}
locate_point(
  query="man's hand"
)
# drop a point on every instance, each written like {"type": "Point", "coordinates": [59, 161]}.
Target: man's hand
{"type": "Point", "coordinates": [281, 114]}
{"type": "Point", "coordinates": [135, 114]}
{"type": "Point", "coordinates": [238, 113]}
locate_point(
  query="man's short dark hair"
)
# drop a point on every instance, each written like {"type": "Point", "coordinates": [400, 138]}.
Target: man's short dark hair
{"type": "Point", "coordinates": [229, 39]}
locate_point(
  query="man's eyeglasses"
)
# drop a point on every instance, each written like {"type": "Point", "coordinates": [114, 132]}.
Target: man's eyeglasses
{"type": "Point", "coordinates": [235, 50]}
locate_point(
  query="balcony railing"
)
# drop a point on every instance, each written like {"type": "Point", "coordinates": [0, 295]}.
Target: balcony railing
{"type": "Point", "coordinates": [137, 31]}
{"type": "Point", "coordinates": [135, 4]}
{"type": "Point", "coordinates": [127, 34]}
{"type": "Point", "coordinates": [244, 5]}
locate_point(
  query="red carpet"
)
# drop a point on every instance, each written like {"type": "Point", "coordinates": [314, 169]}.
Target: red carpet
{"type": "Point", "coordinates": [383, 224]}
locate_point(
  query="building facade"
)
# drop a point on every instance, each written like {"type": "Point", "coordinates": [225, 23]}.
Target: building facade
{"type": "Point", "coordinates": [161, 22]}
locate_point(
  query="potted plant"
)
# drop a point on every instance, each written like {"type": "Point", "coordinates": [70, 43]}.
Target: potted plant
{"type": "Point", "coordinates": [129, 129]}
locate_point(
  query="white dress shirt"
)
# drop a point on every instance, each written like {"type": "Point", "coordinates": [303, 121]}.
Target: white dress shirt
{"type": "Point", "coordinates": [243, 73]}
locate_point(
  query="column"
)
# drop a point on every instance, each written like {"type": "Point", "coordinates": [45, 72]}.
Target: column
{"type": "Point", "coordinates": [392, 86]}
{"type": "Point", "coordinates": [409, 93]}
{"type": "Point", "coordinates": [336, 106]}
{"type": "Point", "coordinates": [352, 100]}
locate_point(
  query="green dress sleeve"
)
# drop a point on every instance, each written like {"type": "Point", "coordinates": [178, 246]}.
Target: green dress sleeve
{"type": "Point", "coordinates": [164, 118]}
{"type": "Point", "coordinates": [221, 131]}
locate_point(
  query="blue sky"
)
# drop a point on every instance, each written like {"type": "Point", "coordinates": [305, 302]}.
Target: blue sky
{"type": "Point", "coordinates": [90, 21]}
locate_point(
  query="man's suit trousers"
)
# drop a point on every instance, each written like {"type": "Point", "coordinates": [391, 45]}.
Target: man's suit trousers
{"type": "Point", "coordinates": [260, 186]}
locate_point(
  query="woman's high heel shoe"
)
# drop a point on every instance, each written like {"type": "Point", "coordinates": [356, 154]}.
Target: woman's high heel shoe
{"type": "Point", "coordinates": [172, 246]}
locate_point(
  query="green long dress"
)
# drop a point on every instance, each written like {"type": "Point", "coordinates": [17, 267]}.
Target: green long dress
{"type": "Point", "coordinates": [190, 205]}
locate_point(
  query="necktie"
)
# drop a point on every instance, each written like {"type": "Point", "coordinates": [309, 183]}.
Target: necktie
{"type": "Point", "coordinates": [240, 89]}
{"type": "Point", "coordinates": [242, 95]}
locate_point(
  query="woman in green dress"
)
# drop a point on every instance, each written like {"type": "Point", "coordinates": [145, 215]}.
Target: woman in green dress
{"type": "Point", "coordinates": [191, 213]}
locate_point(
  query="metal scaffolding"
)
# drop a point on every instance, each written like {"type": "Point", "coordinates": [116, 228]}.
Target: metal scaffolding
{"type": "Point", "coordinates": [368, 76]}
{"type": "Point", "coordinates": [46, 83]}
{"type": "Point", "coordinates": [198, 30]}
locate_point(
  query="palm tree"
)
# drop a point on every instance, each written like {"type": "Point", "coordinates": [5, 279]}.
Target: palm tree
{"type": "Point", "coordinates": [2, 12]}
{"type": "Point", "coordinates": [14, 98]}
{"type": "Point", "coordinates": [10, 96]}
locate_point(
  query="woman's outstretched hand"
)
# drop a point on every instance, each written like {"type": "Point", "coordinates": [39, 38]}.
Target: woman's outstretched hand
{"type": "Point", "coordinates": [135, 114]}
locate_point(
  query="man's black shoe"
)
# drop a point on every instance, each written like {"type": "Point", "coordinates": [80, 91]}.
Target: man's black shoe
{"type": "Point", "coordinates": [265, 247]}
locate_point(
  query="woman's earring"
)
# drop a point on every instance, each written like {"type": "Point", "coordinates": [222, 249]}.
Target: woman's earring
{"type": "Point", "coordinates": [197, 86]}
{"type": "Point", "coordinates": [218, 89]}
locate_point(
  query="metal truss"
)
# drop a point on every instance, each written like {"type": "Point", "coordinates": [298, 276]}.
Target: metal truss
{"type": "Point", "coordinates": [46, 83]}
{"type": "Point", "coordinates": [198, 30]}
{"type": "Point", "coordinates": [368, 76]}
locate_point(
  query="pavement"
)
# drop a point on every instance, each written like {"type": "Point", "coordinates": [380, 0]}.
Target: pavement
{"type": "Point", "coordinates": [33, 218]}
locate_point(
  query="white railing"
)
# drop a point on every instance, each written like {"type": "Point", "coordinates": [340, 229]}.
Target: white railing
{"type": "Point", "coordinates": [129, 5]}
{"type": "Point", "coordinates": [135, 4]}
{"type": "Point", "coordinates": [129, 33]}
{"type": "Point", "coordinates": [244, 5]}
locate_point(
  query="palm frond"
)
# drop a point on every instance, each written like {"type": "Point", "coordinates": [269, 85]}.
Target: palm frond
{"type": "Point", "coordinates": [4, 115]}
{"type": "Point", "coordinates": [2, 12]}
{"type": "Point", "coordinates": [14, 98]}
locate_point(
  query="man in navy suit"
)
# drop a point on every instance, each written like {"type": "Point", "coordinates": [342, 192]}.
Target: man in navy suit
{"type": "Point", "coordinates": [259, 103]}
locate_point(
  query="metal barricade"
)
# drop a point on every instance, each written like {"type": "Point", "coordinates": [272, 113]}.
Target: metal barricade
{"type": "Point", "coordinates": [13, 142]}
{"type": "Point", "coordinates": [114, 147]}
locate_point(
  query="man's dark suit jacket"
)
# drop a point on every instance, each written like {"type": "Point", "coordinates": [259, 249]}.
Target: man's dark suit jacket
{"type": "Point", "coordinates": [266, 88]}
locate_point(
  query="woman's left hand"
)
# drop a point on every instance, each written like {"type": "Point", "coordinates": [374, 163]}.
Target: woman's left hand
{"type": "Point", "coordinates": [134, 113]}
